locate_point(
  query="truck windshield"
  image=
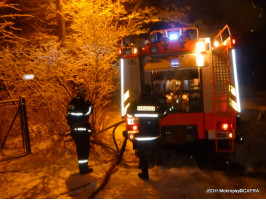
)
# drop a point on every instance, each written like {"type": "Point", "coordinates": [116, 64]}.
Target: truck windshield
{"type": "Point", "coordinates": [179, 89]}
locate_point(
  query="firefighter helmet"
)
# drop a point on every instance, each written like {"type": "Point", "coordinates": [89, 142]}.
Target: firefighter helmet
{"type": "Point", "coordinates": [82, 91]}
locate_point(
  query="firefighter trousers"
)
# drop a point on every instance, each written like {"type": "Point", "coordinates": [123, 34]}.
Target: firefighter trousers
{"type": "Point", "coordinates": [146, 150]}
{"type": "Point", "coordinates": [82, 141]}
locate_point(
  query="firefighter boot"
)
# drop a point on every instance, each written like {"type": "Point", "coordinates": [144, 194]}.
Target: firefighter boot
{"type": "Point", "coordinates": [144, 175]}
{"type": "Point", "coordinates": [89, 170]}
{"type": "Point", "coordinates": [84, 169]}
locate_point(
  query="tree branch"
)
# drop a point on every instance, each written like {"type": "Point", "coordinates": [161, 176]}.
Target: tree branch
{"type": "Point", "coordinates": [60, 81]}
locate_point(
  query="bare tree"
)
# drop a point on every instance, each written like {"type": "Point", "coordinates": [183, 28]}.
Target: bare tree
{"type": "Point", "coordinates": [7, 24]}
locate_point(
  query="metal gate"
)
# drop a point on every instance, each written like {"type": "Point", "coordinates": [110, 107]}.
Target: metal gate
{"type": "Point", "coordinates": [14, 132]}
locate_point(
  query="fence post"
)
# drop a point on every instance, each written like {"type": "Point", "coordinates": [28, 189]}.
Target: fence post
{"type": "Point", "coordinates": [25, 123]}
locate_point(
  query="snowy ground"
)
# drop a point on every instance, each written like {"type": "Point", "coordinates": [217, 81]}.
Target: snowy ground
{"type": "Point", "coordinates": [51, 171]}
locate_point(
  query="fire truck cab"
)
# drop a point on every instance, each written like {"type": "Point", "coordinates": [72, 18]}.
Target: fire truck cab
{"type": "Point", "coordinates": [195, 78]}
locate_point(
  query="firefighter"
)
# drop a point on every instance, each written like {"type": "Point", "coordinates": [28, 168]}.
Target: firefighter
{"type": "Point", "coordinates": [147, 140]}
{"type": "Point", "coordinates": [79, 110]}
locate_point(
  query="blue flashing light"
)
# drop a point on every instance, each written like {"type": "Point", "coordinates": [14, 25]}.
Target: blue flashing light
{"type": "Point", "coordinates": [173, 36]}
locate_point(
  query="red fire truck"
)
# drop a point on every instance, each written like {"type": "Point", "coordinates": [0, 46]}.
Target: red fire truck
{"type": "Point", "coordinates": [195, 78]}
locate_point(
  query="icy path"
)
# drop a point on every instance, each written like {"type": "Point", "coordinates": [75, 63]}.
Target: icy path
{"type": "Point", "coordinates": [52, 172]}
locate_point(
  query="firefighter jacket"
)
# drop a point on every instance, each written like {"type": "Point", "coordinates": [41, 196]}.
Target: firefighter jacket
{"type": "Point", "coordinates": [148, 111]}
{"type": "Point", "coordinates": [79, 111]}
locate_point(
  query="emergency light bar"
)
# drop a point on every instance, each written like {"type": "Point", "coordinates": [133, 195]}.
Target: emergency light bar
{"type": "Point", "coordinates": [173, 36]}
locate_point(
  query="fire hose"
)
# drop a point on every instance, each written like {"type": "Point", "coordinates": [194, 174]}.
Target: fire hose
{"type": "Point", "coordinates": [115, 126]}
{"type": "Point", "coordinates": [113, 167]}
{"type": "Point", "coordinates": [110, 171]}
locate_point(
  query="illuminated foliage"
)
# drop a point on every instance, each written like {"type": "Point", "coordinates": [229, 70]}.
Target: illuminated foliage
{"type": "Point", "coordinates": [88, 57]}
{"type": "Point", "coordinates": [94, 35]}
